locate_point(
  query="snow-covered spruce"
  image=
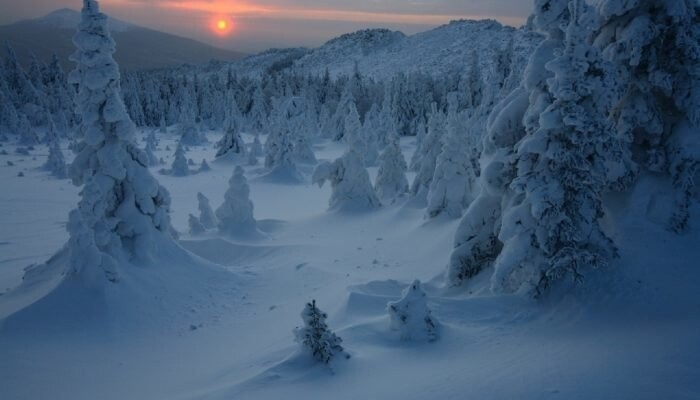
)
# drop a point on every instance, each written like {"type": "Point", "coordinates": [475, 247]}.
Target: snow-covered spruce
{"type": "Point", "coordinates": [27, 133]}
{"type": "Point", "coordinates": [391, 177]}
{"type": "Point", "coordinates": [206, 214]}
{"type": "Point", "coordinates": [430, 149]}
{"type": "Point", "coordinates": [411, 317]}
{"type": "Point", "coordinates": [56, 163]}
{"type": "Point", "coordinates": [315, 337]}
{"type": "Point", "coordinates": [477, 244]}
{"type": "Point", "coordinates": [256, 148]}
{"type": "Point", "coordinates": [450, 190]}
{"type": "Point", "coordinates": [195, 226]}
{"type": "Point", "coordinates": [232, 143]}
{"type": "Point", "coordinates": [180, 165]}
{"type": "Point", "coordinates": [188, 129]}
{"type": "Point", "coordinates": [204, 166]}
{"type": "Point", "coordinates": [235, 215]}
{"type": "Point", "coordinates": [656, 44]}
{"type": "Point", "coordinates": [551, 228]}
{"type": "Point", "coordinates": [122, 208]}
{"type": "Point", "coordinates": [351, 187]}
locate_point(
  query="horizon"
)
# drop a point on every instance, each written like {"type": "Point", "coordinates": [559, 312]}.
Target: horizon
{"type": "Point", "coordinates": [253, 27]}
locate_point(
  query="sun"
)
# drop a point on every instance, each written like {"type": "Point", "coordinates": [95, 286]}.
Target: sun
{"type": "Point", "coordinates": [221, 25]}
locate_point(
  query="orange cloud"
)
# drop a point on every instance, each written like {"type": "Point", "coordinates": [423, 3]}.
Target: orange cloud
{"type": "Point", "coordinates": [217, 6]}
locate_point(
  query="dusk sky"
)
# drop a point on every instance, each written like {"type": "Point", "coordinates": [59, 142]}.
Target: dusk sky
{"type": "Point", "coordinates": [254, 25]}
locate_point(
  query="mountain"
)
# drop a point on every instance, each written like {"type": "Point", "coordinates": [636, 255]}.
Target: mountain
{"type": "Point", "coordinates": [382, 53]}
{"type": "Point", "coordinates": [138, 48]}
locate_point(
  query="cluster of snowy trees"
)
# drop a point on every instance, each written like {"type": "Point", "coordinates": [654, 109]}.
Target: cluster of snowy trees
{"type": "Point", "coordinates": [36, 99]}
{"type": "Point", "coordinates": [611, 92]}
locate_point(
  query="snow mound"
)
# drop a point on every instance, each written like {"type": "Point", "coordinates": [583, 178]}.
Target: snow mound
{"type": "Point", "coordinates": [174, 291]}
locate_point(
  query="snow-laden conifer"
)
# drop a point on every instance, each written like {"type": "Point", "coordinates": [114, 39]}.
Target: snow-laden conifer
{"type": "Point", "coordinates": [411, 317]}
{"type": "Point", "coordinates": [391, 177]}
{"type": "Point", "coordinates": [316, 338]}
{"type": "Point", "coordinates": [122, 208]}
{"type": "Point", "coordinates": [235, 215]}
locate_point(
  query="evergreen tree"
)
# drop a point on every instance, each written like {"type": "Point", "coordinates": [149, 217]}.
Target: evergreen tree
{"type": "Point", "coordinates": [180, 166]}
{"type": "Point", "coordinates": [232, 143]}
{"type": "Point", "coordinates": [450, 189]}
{"type": "Point", "coordinates": [411, 317]}
{"type": "Point", "coordinates": [352, 188]}
{"type": "Point", "coordinates": [657, 45]}
{"type": "Point", "coordinates": [206, 214]}
{"type": "Point", "coordinates": [391, 178]}
{"type": "Point", "coordinates": [315, 337]}
{"type": "Point", "coordinates": [56, 163]}
{"type": "Point", "coordinates": [235, 215]}
{"type": "Point", "coordinates": [122, 208]}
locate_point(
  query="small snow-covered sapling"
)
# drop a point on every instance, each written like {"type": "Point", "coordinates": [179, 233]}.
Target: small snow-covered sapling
{"type": "Point", "coordinates": [316, 338]}
{"type": "Point", "coordinates": [411, 317]}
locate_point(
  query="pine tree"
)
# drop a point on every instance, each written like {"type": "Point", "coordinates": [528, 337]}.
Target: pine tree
{"type": "Point", "coordinates": [232, 143]}
{"type": "Point", "coordinates": [315, 337]}
{"type": "Point", "coordinates": [352, 188]}
{"type": "Point", "coordinates": [235, 215]}
{"type": "Point", "coordinates": [554, 231]}
{"type": "Point", "coordinates": [431, 147]}
{"type": "Point", "coordinates": [196, 227]}
{"type": "Point", "coordinates": [180, 166]}
{"type": "Point", "coordinates": [391, 178]}
{"type": "Point", "coordinates": [411, 317]}
{"type": "Point", "coordinates": [657, 45]}
{"type": "Point", "coordinates": [206, 214]}
{"type": "Point", "coordinates": [477, 243]}
{"type": "Point", "coordinates": [56, 163]}
{"type": "Point", "coordinates": [27, 133]}
{"type": "Point", "coordinates": [122, 208]}
{"type": "Point", "coordinates": [450, 189]}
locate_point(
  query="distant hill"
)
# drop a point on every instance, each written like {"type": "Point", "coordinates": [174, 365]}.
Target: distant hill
{"type": "Point", "coordinates": [381, 53]}
{"type": "Point", "coordinates": [138, 48]}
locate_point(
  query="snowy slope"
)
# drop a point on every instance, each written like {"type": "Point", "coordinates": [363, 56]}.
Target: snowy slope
{"type": "Point", "coordinates": [382, 53]}
{"type": "Point", "coordinates": [445, 49]}
{"type": "Point", "coordinates": [630, 332]}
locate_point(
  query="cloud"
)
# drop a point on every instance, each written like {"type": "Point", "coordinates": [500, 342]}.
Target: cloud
{"type": "Point", "coordinates": [424, 12]}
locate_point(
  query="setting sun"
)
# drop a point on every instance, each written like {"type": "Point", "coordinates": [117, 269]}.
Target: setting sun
{"type": "Point", "coordinates": [221, 25]}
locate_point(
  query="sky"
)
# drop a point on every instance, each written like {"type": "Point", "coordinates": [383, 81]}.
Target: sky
{"type": "Point", "coordinates": [254, 25]}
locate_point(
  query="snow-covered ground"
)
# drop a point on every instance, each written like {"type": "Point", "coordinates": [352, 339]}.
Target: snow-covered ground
{"type": "Point", "coordinates": [630, 332]}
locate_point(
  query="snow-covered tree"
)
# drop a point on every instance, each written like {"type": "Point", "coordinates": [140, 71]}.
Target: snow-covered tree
{"type": "Point", "coordinates": [450, 189]}
{"type": "Point", "coordinates": [56, 163]}
{"type": "Point", "coordinates": [195, 226]}
{"type": "Point", "coordinates": [235, 215]}
{"type": "Point", "coordinates": [315, 337]}
{"type": "Point", "coordinates": [232, 143]}
{"type": "Point", "coordinates": [391, 178]}
{"type": "Point", "coordinates": [411, 317]}
{"type": "Point", "coordinates": [657, 45]}
{"type": "Point", "coordinates": [27, 133]}
{"type": "Point", "coordinates": [477, 241]}
{"type": "Point", "coordinates": [122, 208]}
{"type": "Point", "coordinates": [180, 165]}
{"type": "Point", "coordinates": [430, 148]}
{"type": "Point", "coordinates": [206, 214]}
{"type": "Point", "coordinates": [351, 187]}
{"type": "Point", "coordinates": [551, 228]}
{"type": "Point", "coordinates": [256, 148]}
{"type": "Point", "coordinates": [188, 129]}
{"type": "Point", "coordinates": [204, 166]}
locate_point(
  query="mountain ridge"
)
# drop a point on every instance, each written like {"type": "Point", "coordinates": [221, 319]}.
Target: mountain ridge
{"type": "Point", "coordinates": [138, 48]}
